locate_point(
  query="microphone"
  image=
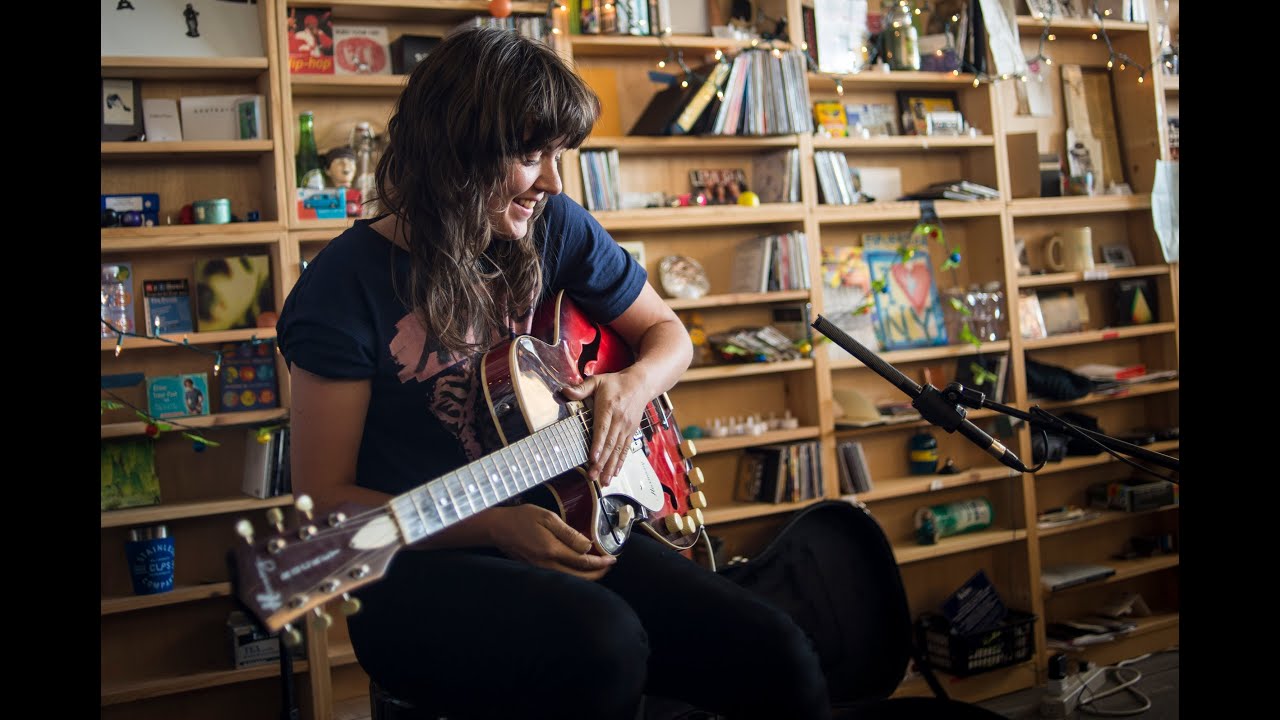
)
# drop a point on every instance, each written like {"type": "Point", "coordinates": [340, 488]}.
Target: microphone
{"type": "Point", "coordinates": [938, 408]}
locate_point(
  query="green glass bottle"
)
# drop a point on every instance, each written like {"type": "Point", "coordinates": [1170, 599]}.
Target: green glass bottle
{"type": "Point", "coordinates": [310, 172]}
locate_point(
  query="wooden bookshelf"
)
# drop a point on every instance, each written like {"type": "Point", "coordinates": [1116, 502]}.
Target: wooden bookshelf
{"type": "Point", "coordinates": [178, 511]}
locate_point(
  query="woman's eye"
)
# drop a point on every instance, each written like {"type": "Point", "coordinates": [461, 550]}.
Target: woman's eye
{"type": "Point", "coordinates": [532, 160]}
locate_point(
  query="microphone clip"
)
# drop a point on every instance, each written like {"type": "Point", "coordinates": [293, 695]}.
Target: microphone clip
{"type": "Point", "coordinates": [945, 408]}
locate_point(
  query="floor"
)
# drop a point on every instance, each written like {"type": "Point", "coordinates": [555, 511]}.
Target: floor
{"type": "Point", "coordinates": [1159, 684]}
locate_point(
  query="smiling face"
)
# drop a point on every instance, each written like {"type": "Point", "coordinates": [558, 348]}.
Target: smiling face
{"type": "Point", "coordinates": [530, 180]}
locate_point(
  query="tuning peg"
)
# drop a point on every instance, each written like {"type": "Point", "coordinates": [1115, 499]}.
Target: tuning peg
{"type": "Point", "coordinates": [337, 518]}
{"type": "Point", "coordinates": [291, 636]}
{"type": "Point", "coordinates": [626, 514]}
{"type": "Point", "coordinates": [244, 529]}
{"type": "Point", "coordinates": [692, 522]}
{"type": "Point", "coordinates": [350, 605]}
{"type": "Point", "coordinates": [687, 448]}
{"type": "Point", "coordinates": [674, 523]}
{"type": "Point", "coordinates": [698, 499]}
{"type": "Point", "coordinates": [325, 617]}
{"type": "Point", "coordinates": [695, 516]}
{"type": "Point", "coordinates": [275, 516]}
{"type": "Point", "coordinates": [695, 477]}
{"type": "Point", "coordinates": [304, 506]}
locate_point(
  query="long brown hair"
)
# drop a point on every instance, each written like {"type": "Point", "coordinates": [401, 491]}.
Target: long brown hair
{"type": "Point", "coordinates": [483, 99]}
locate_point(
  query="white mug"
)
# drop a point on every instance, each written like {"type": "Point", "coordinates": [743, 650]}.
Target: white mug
{"type": "Point", "coordinates": [1070, 251]}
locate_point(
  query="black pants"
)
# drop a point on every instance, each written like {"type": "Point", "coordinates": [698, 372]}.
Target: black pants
{"type": "Point", "coordinates": [474, 634]}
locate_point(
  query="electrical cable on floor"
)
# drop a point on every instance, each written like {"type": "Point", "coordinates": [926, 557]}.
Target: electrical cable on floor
{"type": "Point", "coordinates": [1112, 672]}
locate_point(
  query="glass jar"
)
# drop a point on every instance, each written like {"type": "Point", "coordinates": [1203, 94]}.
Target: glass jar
{"type": "Point", "coordinates": [901, 38]}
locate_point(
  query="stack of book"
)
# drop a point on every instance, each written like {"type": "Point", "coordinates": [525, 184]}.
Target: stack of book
{"type": "Point", "coordinates": [838, 184]}
{"type": "Point", "coordinates": [780, 473]}
{"type": "Point", "coordinates": [266, 464]}
{"type": "Point", "coordinates": [855, 476]}
{"type": "Point", "coordinates": [955, 190]}
{"type": "Point", "coordinates": [600, 173]}
{"type": "Point", "coordinates": [771, 263]}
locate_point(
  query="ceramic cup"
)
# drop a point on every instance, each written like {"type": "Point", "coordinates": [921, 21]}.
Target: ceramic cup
{"type": "Point", "coordinates": [1070, 251]}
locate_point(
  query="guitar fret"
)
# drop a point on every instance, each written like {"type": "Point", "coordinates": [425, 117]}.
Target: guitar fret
{"type": "Point", "coordinates": [451, 482]}
{"type": "Point", "coordinates": [416, 501]}
{"type": "Point", "coordinates": [479, 481]}
{"type": "Point", "coordinates": [495, 472]}
{"type": "Point", "coordinates": [534, 475]}
{"type": "Point", "coordinates": [442, 504]}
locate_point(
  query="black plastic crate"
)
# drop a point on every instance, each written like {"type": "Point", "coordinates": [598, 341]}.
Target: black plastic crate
{"type": "Point", "coordinates": [1012, 642]}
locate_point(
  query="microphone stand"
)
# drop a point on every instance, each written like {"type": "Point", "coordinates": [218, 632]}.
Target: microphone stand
{"type": "Point", "coordinates": [943, 408]}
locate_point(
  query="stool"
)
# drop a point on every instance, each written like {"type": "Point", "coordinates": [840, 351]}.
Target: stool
{"type": "Point", "coordinates": [384, 706]}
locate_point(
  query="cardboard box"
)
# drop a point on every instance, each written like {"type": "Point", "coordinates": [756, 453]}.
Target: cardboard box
{"type": "Point", "coordinates": [409, 50]}
{"type": "Point", "coordinates": [251, 645]}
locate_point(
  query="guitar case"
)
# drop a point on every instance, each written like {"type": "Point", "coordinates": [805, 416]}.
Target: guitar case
{"type": "Point", "coordinates": [832, 569]}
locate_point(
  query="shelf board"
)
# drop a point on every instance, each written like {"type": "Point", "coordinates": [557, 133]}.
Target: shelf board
{"type": "Point", "coordinates": [193, 147]}
{"type": "Point", "coordinates": [708, 216]}
{"type": "Point", "coordinates": [208, 338]}
{"type": "Point", "coordinates": [1131, 391]}
{"type": "Point", "coordinates": [1078, 462]}
{"type": "Point", "coordinates": [1065, 27]}
{"type": "Point", "coordinates": [851, 431]}
{"type": "Point", "coordinates": [614, 45]}
{"type": "Point", "coordinates": [726, 372]}
{"type": "Point", "coordinates": [744, 511]}
{"type": "Point", "coordinates": [1070, 278]}
{"type": "Point", "coordinates": [1095, 336]}
{"type": "Point", "coordinates": [333, 226]}
{"type": "Point", "coordinates": [118, 693]}
{"type": "Point", "coordinates": [957, 544]}
{"type": "Point", "coordinates": [923, 484]}
{"type": "Point", "coordinates": [341, 654]}
{"type": "Point", "coordinates": [1106, 518]}
{"type": "Point", "coordinates": [248, 417]}
{"type": "Point", "coordinates": [347, 85]}
{"type": "Point", "coordinates": [700, 144]}
{"type": "Point", "coordinates": [1125, 570]}
{"type": "Point", "coordinates": [903, 142]}
{"type": "Point", "coordinates": [174, 237]}
{"type": "Point", "coordinates": [179, 511]}
{"type": "Point", "coordinates": [894, 357]}
{"type": "Point", "coordinates": [705, 445]}
{"type": "Point", "coordinates": [904, 210]}
{"type": "Point", "coordinates": [738, 299]}
{"type": "Point", "coordinates": [1157, 632]}
{"type": "Point", "coordinates": [449, 11]}
{"type": "Point", "coordinates": [182, 68]}
{"type": "Point", "coordinates": [1077, 205]}
{"type": "Point", "coordinates": [823, 83]}
{"type": "Point", "coordinates": [189, 593]}
{"type": "Point", "coordinates": [1171, 84]}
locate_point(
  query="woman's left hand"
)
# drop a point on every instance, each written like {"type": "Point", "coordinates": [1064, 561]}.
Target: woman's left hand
{"type": "Point", "coordinates": [618, 405]}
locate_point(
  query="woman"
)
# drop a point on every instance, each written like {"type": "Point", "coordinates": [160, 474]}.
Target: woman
{"type": "Point", "coordinates": [509, 613]}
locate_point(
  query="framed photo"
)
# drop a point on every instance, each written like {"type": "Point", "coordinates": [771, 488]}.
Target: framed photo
{"type": "Point", "coordinates": [121, 109]}
{"type": "Point", "coordinates": [1118, 255]}
{"type": "Point", "coordinates": [914, 107]}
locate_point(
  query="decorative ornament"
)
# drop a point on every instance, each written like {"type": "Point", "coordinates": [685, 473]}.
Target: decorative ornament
{"type": "Point", "coordinates": [500, 8]}
{"type": "Point", "coordinates": [152, 430]}
{"type": "Point", "coordinates": [193, 22]}
{"type": "Point", "coordinates": [749, 199]}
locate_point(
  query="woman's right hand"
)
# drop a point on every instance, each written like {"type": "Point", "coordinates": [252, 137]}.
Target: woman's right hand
{"type": "Point", "coordinates": [539, 537]}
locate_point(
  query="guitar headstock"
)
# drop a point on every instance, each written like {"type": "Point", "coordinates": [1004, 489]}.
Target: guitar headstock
{"type": "Point", "coordinates": [280, 578]}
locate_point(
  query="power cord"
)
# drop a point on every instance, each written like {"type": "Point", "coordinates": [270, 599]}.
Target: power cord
{"type": "Point", "coordinates": [711, 554]}
{"type": "Point", "coordinates": [1088, 698]}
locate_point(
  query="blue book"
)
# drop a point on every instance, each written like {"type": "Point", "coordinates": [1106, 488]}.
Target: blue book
{"type": "Point", "coordinates": [178, 395]}
{"type": "Point", "coordinates": [167, 306]}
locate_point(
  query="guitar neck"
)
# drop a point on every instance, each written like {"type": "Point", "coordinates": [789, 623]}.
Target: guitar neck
{"type": "Point", "coordinates": [494, 478]}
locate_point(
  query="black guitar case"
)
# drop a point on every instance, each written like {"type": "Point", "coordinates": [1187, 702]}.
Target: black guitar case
{"type": "Point", "coordinates": [832, 569]}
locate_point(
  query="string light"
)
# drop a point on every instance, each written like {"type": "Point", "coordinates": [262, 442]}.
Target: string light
{"type": "Point", "coordinates": [185, 343]}
{"type": "Point", "coordinates": [155, 425]}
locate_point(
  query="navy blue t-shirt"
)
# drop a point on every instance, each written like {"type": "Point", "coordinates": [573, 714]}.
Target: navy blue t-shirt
{"type": "Point", "coordinates": [343, 320]}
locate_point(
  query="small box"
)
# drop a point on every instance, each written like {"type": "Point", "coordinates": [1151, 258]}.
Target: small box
{"type": "Point", "coordinates": [409, 50]}
{"type": "Point", "coordinates": [1132, 495]}
{"type": "Point", "coordinates": [221, 117]}
{"type": "Point", "coordinates": [251, 645]}
{"type": "Point", "coordinates": [147, 204]}
{"type": "Point", "coordinates": [322, 204]}
{"type": "Point", "coordinates": [1050, 175]}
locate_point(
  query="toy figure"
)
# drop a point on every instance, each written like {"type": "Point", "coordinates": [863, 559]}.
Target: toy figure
{"type": "Point", "coordinates": [193, 29]}
{"type": "Point", "coordinates": [340, 167]}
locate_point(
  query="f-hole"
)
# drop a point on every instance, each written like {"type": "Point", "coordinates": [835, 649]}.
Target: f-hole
{"type": "Point", "coordinates": [590, 351]}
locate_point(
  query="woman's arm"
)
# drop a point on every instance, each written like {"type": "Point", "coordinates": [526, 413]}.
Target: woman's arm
{"type": "Point", "coordinates": [663, 352]}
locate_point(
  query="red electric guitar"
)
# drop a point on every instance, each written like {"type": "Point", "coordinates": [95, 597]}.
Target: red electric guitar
{"type": "Point", "coordinates": [545, 439]}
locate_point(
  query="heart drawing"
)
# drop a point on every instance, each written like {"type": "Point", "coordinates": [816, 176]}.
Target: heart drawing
{"type": "Point", "coordinates": [914, 279]}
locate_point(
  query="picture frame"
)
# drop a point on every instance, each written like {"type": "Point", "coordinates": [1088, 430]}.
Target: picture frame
{"type": "Point", "coordinates": [121, 110]}
{"type": "Point", "coordinates": [1118, 255]}
{"type": "Point", "coordinates": [914, 107]}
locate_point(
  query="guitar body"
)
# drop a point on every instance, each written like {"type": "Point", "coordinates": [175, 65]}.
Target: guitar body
{"type": "Point", "coordinates": [522, 382]}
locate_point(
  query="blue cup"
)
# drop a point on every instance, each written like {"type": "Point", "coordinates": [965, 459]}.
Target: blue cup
{"type": "Point", "coordinates": [150, 558]}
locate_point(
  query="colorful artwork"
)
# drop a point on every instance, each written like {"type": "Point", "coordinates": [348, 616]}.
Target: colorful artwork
{"type": "Point", "coordinates": [846, 296]}
{"type": "Point", "coordinates": [129, 474]}
{"type": "Point", "coordinates": [908, 312]}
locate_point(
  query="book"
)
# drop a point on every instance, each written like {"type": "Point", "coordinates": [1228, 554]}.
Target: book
{"type": "Point", "coordinates": [160, 119]}
{"type": "Point", "coordinates": [361, 50]}
{"type": "Point", "coordinates": [166, 306]}
{"type": "Point", "coordinates": [719, 186]}
{"type": "Point", "coordinates": [1062, 310]}
{"type": "Point", "coordinates": [221, 117]}
{"type": "Point", "coordinates": [129, 474]}
{"type": "Point", "coordinates": [908, 313]}
{"type": "Point", "coordinates": [830, 117]}
{"type": "Point", "coordinates": [1058, 577]}
{"type": "Point", "coordinates": [178, 395]}
{"type": "Point", "coordinates": [249, 376]}
{"type": "Point", "coordinates": [772, 176]}
{"type": "Point", "coordinates": [234, 293]}
{"type": "Point", "coordinates": [698, 102]}
{"type": "Point", "coordinates": [258, 459]}
{"type": "Point", "coordinates": [878, 119]}
{"type": "Point", "coordinates": [309, 32]}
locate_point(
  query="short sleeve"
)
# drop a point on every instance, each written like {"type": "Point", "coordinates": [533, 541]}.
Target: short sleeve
{"type": "Point", "coordinates": [586, 262]}
{"type": "Point", "coordinates": [325, 328]}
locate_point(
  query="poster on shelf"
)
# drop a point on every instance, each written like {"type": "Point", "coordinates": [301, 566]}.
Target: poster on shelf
{"type": "Point", "coordinates": [178, 28]}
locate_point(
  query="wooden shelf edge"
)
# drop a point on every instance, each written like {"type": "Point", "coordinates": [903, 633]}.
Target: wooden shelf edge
{"type": "Point", "coordinates": [1107, 517]}
{"type": "Point", "coordinates": [927, 353]}
{"type": "Point", "coordinates": [736, 299]}
{"type": "Point", "coordinates": [1124, 392]}
{"type": "Point", "coordinates": [1070, 278]}
{"type": "Point", "coordinates": [189, 593]}
{"type": "Point", "coordinates": [219, 420]}
{"type": "Point", "coordinates": [179, 511]}
{"type": "Point", "coordinates": [744, 511]}
{"type": "Point", "coordinates": [119, 693]}
{"type": "Point", "coordinates": [738, 442]}
{"type": "Point", "coordinates": [964, 542]}
{"type": "Point", "coordinates": [924, 484]}
{"type": "Point", "coordinates": [1077, 205]}
{"type": "Point", "coordinates": [1078, 462]}
{"type": "Point", "coordinates": [730, 371]}
{"type": "Point", "coordinates": [206, 338]}
{"type": "Point", "coordinates": [1125, 570]}
{"type": "Point", "coordinates": [1097, 336]}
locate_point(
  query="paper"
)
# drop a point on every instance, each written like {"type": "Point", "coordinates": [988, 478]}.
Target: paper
{"type": "Point", "coordinates": [1164, 207]}
{"type": "Point", "coordinates": [1002, 38]}
{"type": "Point", "coordinates": [160, 119]}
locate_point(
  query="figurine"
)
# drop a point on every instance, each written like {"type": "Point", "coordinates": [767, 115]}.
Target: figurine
{"type": "Point", "coordinates": [340, 168]}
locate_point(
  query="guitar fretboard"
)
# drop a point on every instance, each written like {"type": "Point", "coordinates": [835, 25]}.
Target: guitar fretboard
{"type": "Point", "coordinates": [496, 477]}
